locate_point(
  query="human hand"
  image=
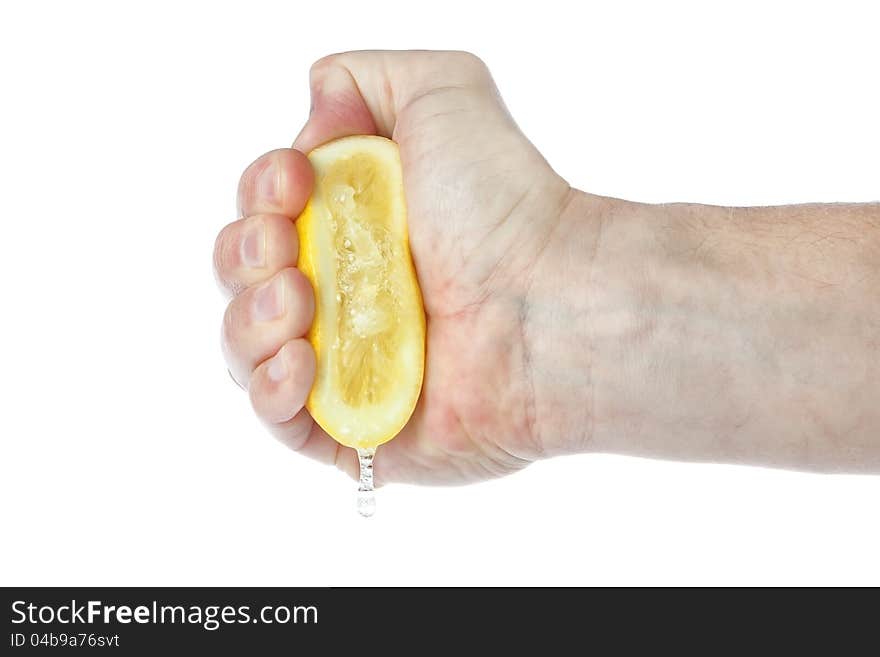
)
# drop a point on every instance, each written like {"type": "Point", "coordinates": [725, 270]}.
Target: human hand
{"type": "Point", "coordinates": [482, 206]}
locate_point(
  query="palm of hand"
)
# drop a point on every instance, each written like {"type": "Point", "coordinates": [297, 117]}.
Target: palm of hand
{"type": "Point", "coordinates": [478, 215]}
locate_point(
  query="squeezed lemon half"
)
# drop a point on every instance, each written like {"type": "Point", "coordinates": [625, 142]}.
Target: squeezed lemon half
{"type": "Point", "coordinates": [369, 326]}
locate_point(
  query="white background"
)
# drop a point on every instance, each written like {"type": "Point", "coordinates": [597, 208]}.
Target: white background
{"type": "Point", "coordinates": [129, 457]}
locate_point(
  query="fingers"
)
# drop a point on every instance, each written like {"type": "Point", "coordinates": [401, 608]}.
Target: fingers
{"type": "Point", "coordinates": [264, 324]}
{"type": "Point", "coordinates": [249, 251]}
{"type": "Point", "coordinates": [278, 391]}
{"type": "Point", "coordinates": [303, 435]}
{"type": "Point", "coordinates": [279, 386]}
{"type": "Point", "coordinates": [278, 182]}
{"type": "Point", "coordinates": [366, 92]}
{"type": "Point", "coordinates": [278, 396]}
{"type": "Point", "coordinates": [338, 109]}
{"type": "Point", "coordinates": [263, 318]}
{"type": "Point", "coordinates": [272, 192]}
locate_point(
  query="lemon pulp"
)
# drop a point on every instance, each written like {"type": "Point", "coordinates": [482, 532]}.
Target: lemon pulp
{"type": "Point", "coordinates": [369, 326]}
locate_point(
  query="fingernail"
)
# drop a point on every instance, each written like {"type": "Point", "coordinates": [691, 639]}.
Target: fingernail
{"type": "Point", "coordinates": [277, 369]}
{"type": "Point", "coordinates": [266, 185]}
{"type": "Point", "coordinates": [269, 301]}
{"type": "Point", "coordinates": [253, 246]}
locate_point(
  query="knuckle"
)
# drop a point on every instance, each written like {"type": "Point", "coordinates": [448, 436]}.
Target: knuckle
{"type": "Point", "coordinates": [469, 62]}
{"type": "Point", "coordinates": [222, 250]}
{"type": "Point", "coordinates": [227, 328]}
{"type": "Point", "coordinates": [298, 430]}
{"type": "Point", "coordinates": [319, 66]}
{"type": "Point", "coordinates": [292, 276]}
{"type": "Point", "coordinates": [281, 230]}
{"type": "Point", "coordinates": [234, 323]}
{"type": "Point", "coordinates": [302, 296]}
{"type": "Point", "coordinates": [257, 394]}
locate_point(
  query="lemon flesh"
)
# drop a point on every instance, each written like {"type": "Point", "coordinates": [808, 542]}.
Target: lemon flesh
{"type": "Point", "coordinates": [369, 326]}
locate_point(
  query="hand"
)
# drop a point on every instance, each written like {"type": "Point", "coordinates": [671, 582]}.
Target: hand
{"type": "Point", "coordinates": [482, 206]}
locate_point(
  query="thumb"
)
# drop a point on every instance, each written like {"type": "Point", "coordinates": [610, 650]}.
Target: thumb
{"type": "Point", "coordinates": [389, 92]}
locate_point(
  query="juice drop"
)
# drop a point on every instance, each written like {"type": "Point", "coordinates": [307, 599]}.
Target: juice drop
{"type": "Point", "coordinates": [366, 501]}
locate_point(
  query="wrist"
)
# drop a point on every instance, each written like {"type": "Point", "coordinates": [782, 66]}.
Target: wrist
{"type": "Point", "coordinates": [604, 322]}
{"type": "Point", "coordinates": [557, 328]}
